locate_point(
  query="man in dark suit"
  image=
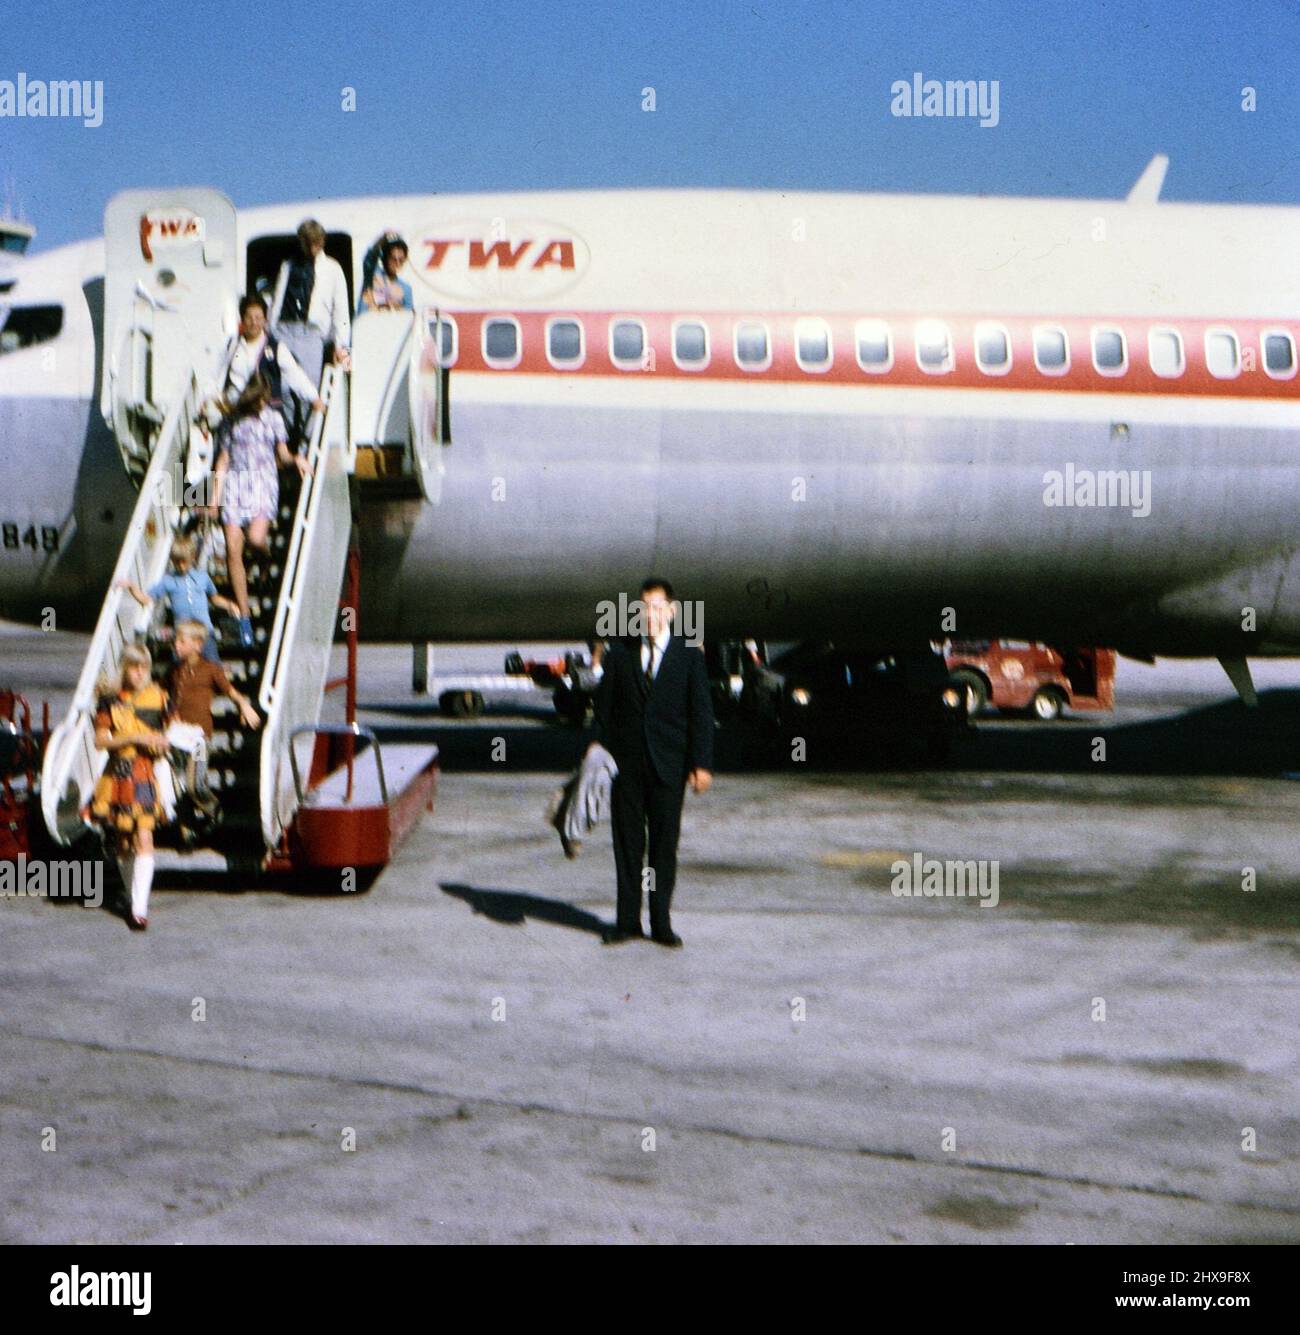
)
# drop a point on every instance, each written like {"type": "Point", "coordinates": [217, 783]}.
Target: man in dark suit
{"type": "Point", "coordinates": [654, 716]}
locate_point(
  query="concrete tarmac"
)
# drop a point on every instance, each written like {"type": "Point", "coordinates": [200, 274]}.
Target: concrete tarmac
{"type": "Point", "coordinates": [453, 1056]}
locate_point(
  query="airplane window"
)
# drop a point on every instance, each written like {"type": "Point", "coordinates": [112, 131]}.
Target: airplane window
{"type": "Point", "coordinates": [690, 345]}
{"type": "Point", "coordinates": [1109, 354]}
{"type": "Point", "coordinates": [447, 341]}
{"type": "Point", "coordinates": [501, 343]}
{"type": "Point", "coordinates": [1051, 351]}
{"type": "Point", "coordinates": [1222, 355]}
{"type": "Point", "coordinates": [26, 326]}
{"type": "Point", "coordinates": [627, 343]}
{"type": "Point", "coordinates": [992, 349]}
{"type": "Point", "coordinates": [933, 347]}
{"type": "Point", "coordinates": [1165, 350]}
{"type": "Point", "coordinates": [1279, 354]}
{"type": "Point", "coordinates": [13, 242]}
{"type": "Point", "coordinates": [751, 346]}
{"type": "Point", "coordinates": [812, 345]}
{"type": "Point", "coordinates": [875, 346]}
{"type": "Point", "coordinates": [443, 329]}
{"type": "Point", "coordinates": [564, 342]}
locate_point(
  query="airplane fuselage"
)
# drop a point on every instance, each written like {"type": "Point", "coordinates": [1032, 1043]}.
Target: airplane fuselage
{"type": "Point", "coordinates": [854, 417]}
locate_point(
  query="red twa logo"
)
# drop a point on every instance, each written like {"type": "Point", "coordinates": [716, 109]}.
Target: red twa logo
{"type": "Point", "coordinates": [502, 253]}
{"type": "Point", "coordinates": [163, 231]}
{"type": "Point", "coordinates": [503, 258]}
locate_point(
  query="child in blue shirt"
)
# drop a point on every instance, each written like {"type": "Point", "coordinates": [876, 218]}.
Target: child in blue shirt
{"type": "Point", "coordinates": [187, 592]}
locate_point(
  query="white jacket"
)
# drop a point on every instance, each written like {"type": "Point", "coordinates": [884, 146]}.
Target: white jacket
{"type": "Point", "coordinates": [584, 801]}
{"type": "Point", "coordinates": [292, 376]}
{"type": "Point", "coordinates": [329, 311]}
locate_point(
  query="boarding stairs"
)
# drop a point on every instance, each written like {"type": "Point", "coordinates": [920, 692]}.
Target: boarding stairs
{"type": "Point", "coordinates": [293, 601]}
{"type": "Point", "coordinates": [172, 278]}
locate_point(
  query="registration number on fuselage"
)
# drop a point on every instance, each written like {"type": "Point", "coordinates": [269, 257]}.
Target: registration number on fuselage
{"type": "Point", "coordinates": [14, 537]}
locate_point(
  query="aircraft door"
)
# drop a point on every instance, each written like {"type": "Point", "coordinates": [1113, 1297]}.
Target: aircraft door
{"type": "Point", "coordinates": [171, 292]}
{"type": "Point", "coordinates": [427, 386]}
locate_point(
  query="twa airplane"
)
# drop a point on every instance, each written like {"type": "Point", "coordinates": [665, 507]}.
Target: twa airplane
{"type": "Point", "coordinates": [821, 414]}
{"type": "Point", "coordinates": [873, 418]}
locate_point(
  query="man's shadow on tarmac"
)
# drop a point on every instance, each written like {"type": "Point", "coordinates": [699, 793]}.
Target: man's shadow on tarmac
{"type": "Point", "coordinates": [513, 907]}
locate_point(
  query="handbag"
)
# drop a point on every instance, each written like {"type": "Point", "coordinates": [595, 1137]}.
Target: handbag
{"type": "Point", "coordinates": [164, 782]}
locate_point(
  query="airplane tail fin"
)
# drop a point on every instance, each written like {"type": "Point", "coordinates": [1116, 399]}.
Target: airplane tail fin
{"type": "Point", "coordinates": [1146, 189]}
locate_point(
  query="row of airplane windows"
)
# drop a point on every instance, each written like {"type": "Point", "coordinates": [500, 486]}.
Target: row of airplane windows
{"type": "Point", "coordinates": [875, 347]}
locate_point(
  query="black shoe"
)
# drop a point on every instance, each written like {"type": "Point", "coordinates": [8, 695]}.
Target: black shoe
{"type": "Point", "coordinates": [669, 939]}
{"type": "Point", "coordinates": [616, 936]}
{"type": "Point", "coordinates": [572, 847]}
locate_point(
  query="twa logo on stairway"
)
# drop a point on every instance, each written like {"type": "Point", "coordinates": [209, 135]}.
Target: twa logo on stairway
{"type": "Point", "coordinates": [169, 230]}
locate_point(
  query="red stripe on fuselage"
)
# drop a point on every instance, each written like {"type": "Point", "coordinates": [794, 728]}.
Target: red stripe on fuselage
{"type": "Point", "coordinates": [1082, 376]}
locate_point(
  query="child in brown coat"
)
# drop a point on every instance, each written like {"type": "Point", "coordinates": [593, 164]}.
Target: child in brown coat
{"type": "Point", "coordinates": [191, 684]}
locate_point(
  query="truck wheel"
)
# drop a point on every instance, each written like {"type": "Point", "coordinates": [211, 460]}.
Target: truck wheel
{"type": "Point", "coordinates": [461, 704]}
{"type": "Point", "coordinates": [1047, 705]}
{"type": "Point", "coordinates": [976, 689]}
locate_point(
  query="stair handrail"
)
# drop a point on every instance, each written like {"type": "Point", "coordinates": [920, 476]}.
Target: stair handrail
{"type": "Point", "coordinates": [287, 607]}
{"type": "Point", "coordinates": [296, 665]}
{"type": "Point", "coordinates": [143, 558]}
{"type": "Point", "coordinates": [124, 392]}
{"type": "Point", "coordinates": [354, 730]}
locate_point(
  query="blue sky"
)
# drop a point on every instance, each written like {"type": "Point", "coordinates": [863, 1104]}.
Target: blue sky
{"type": "Point", "coordinates": [771, 94]}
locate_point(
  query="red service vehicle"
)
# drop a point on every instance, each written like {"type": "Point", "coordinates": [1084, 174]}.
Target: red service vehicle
{"type": "Point", "coordinates": [20, 767]}
{"type": "Point", "coordinates": [1034, 677]}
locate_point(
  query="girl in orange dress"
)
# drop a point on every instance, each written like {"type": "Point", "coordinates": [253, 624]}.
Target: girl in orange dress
{"type": "Point", "coordinates": [128, 725]}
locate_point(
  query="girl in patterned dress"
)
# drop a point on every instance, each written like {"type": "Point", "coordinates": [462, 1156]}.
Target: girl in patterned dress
{"type": "Point", "coordinates": [128, 725]}
{"type": "Point", "coordinates": [247, 486]}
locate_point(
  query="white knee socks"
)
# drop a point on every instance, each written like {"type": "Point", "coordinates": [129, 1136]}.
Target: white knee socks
{"type": "Point", "coordinates": [141, 884]}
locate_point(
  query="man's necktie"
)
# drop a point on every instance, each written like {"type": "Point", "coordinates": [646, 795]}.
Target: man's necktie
{"type": "Point", "coordinates": [650, 663]}
{"type": "Point", "coordinates": [302, 278]}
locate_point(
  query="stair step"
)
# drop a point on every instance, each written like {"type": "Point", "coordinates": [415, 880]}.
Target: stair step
{"type": "Point", "coordinates": [200, 860]}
